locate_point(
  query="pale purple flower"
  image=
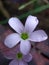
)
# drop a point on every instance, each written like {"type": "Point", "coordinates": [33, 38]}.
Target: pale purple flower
{"type": "Point", "coordinates": [17, 57]}
{"type": "Point", "coordinates": [24, 34]}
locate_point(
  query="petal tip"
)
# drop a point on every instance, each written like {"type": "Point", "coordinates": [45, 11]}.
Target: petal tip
{"type": "Point", "coordinates": [10, 20]}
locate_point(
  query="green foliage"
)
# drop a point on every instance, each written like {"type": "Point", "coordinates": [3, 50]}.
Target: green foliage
{"type": "Point", "coordinates": [37, 9]}
{"type": "Point", "coordinates": [26, 4]}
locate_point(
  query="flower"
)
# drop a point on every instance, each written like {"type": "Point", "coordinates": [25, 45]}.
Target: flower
{"type": "Point", "coordinates": [24, 34]}
{"type": "Point", "coordinates": [17, 57]}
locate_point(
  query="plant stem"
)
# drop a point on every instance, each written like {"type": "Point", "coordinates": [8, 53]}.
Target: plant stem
{"type": "Point", "coordinates": [26, 4]}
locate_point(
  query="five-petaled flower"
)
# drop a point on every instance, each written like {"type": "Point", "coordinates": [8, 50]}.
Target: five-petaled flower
{"type": "Point", "coordinates": [17, 57]}
{"type": "Point", "coordinates": [24, 34]}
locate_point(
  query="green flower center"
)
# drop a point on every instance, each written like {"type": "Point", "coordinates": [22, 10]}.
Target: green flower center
{"type": "Point", "coordinates": [19, 55]}
{"type": "Point", "coordinates": [24, 36]}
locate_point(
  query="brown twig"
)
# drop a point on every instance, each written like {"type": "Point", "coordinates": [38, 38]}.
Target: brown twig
{"type": "Point", "coordinates": [3, 10]}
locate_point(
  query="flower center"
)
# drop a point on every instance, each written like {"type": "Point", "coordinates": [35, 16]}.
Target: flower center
{"type": "Point", "coordinates": [19, 55]}
{"type": "Point", "coordinates": [24, 36]}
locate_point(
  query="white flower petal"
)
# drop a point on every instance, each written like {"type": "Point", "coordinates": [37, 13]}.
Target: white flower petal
{"type": "Point", "coordinates": [22, 63]}
{"type": "Point", "coordinates": [38, 36]}
{"type": "Point", "coordinates": [25, 47]}
{"type": "Point", "coordinates": [31, 23]}
{"type": "Point", "coordinates": [27, 58]}
{"type": "Point", "coordinates": [16, 24]}
{"type": "Point", "coordinates": [14, 62]}
{"type": "Point", "coordinates": [12, 40]}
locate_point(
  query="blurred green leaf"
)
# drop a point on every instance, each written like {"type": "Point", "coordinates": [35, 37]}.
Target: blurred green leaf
{"type": "Point", "coordinates": [35, 11]}
{"type": "Point", "coordinates": [4, 22]}
{"type": "Point", "coordinates": [37, 4]}
{"type": "Point", "coordinates": [26, 4]}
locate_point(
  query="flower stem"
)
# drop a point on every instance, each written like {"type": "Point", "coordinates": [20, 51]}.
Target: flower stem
{"type": "Point", "coordinates": [26, 4]}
